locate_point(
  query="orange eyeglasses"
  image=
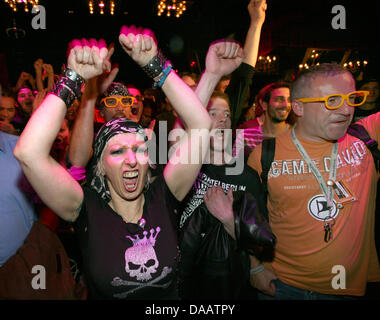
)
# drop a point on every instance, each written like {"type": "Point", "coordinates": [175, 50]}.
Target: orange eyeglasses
{"type": "Point", "coordinates": [335, 101]}
{"type": "Point", "coordinates": [112, 102]}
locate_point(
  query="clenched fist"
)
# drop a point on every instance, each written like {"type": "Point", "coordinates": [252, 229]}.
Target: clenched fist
{"type": "Point", "coordinates": [223, 57]}
{"type": "Point", "coordinates": [139, 43]}
{"type": "Point", "coordinates": [88, 57]}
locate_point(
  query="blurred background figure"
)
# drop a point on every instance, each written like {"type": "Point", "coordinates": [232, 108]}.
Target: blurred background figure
{"type": "Point", "coordinates": [223, 83]}
{"type": "Point", "coordinates": [273, 116]}
{"type": "Point", "coordinates": [372, 103]}
{"type": "Point", "coordinates": [7, 113]}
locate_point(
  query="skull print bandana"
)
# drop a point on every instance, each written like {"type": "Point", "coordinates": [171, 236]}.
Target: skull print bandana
{"type": "Point", "coordinates": [106, 132]}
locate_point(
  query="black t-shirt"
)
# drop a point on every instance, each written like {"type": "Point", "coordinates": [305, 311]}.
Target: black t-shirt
{"type": "Point", "coordinates": [124, 261]}
{"type": "Point", "coordinates": [212, 175]}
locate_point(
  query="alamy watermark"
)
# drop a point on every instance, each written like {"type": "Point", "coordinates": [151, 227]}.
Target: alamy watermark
{"type": "Point", "coordinates": [39, 20]}
{"type": "Point", "coordinates": [338, 282]}
{"type": "Point", "coordinates": [39, 280]}
{"type": "Point", "coordinates": [197, 151]}
{"type": "Point", "coordinates": [339, 20]}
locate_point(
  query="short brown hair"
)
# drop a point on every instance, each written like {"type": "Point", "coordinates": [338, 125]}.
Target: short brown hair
{"type": "Point", "coordinates": [304, 79]}
{"type": "Point", "coordinates": [218, 94]}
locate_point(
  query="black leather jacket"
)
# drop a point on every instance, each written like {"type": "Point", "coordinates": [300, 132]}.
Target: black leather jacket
{"type": "Point", "coordinates": [213, 264]}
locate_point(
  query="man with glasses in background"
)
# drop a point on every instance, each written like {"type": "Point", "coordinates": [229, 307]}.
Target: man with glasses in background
{"type": "Point", "coordinates": [120, 102]}
{"type": "Point", "coordinates": [321, 195]}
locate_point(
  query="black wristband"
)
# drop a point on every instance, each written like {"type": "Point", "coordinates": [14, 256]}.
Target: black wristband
{"type": "Point", "coordinates": [68, 86]}
{"type": "Point", "coordinates": [75, 77]}
{"type": "Point", "coordinates": [63, 91]}
{"type": "Point", "coordinates": [155, 66]}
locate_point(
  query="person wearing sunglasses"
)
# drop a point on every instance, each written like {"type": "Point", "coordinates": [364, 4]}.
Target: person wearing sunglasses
{"type": "Point", "coordinates": [321, 194]}
{"type": "Point", "coordinates": [119, 102]}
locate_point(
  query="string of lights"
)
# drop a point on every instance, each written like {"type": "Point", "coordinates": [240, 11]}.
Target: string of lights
{"type": "Point", "coordinates": [267, 64]}
{"type": "Point", "coordinates": [14, 4]}
{"type": "Point", "coordinates": [171, 7]}
{"type": "Point", "coordinates": [101, 5]}
{"type": "Point", "coordinates": [311, 61]}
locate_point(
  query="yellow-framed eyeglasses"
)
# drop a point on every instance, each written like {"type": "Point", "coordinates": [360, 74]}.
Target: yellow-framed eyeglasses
{"type": "Point", "coordinates": [112, 102]}
{"type": "Point", "coordinates": [335, 101]}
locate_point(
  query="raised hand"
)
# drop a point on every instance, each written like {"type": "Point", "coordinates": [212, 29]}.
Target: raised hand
{"type": "Point", "coordinates": [223, 57]}
{"type": "Point", "coordinates": [256, 10]}
{"type": "Point", "coordinates": [24, 76]}
{"type": "Point", "coordinates": [139, 43]}
{"type": "Point", "coordinates": [48, 67]}
{"type": "Point", "coordinates": [38, 65]}
{"type": "Point", "coordinates": [107, 61]}
{"type": "Point", "coordinates": [110, 73]}
{"type": "Point", "coordinates": [40, 96]}
{"type": "Point", "coordinates": [87, 58]}
{"type": "Point", "coordinates": [96, 86]}
{"type": "Point", "coordinates": [99, 84]}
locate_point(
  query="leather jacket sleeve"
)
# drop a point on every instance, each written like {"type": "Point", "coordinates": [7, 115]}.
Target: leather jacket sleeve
{"type": "Point", "coordinates": [253, 233]}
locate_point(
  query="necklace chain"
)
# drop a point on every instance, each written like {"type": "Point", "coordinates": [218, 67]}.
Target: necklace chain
{"type": "Point", "coordinates": [129, 221]}
{"type": "Point", "coordinates": [125, 219]}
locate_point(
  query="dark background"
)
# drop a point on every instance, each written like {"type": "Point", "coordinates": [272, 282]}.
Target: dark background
{"type": "Point", "coordinates": [290, 28]}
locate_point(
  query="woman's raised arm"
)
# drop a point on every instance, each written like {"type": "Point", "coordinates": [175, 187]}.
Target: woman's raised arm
{"type": "Point", "coordinates": [186, 161]}
{"type": "Point", "coordinates": [54, 185]}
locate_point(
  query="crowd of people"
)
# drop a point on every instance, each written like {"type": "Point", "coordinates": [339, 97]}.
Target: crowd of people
{"type": "Point", "coordinates": [188, 189]}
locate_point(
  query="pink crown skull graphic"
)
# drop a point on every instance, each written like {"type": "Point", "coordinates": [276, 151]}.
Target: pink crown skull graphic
{"type": "Point", "coordinates": [140, 259]}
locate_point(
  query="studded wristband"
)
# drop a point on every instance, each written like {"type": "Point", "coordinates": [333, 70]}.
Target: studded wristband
{"type": "Point", "coordinates": [73, 76]}
{"type": "Point", "coordinates": [64, 92]}
{"type": "Point", "coordinates": [68, 86]}
{"type": "Point", "coordinates": [155, 66]}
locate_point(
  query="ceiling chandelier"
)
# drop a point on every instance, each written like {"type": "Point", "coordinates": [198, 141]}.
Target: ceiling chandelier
{"type": "Point", "coordinates": [15, 3]}
{"type": "Point", "coordinates": [101, 6]}
{"type": "Point", "coordinates": [171, 7]}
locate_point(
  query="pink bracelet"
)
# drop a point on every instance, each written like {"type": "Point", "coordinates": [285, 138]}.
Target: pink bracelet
{"type": "Point", "coordinates": [78, 173]}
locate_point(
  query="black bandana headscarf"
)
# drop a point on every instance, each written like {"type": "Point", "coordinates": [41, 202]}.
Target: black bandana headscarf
{"type": "Point", "coordinates": [106, 132]}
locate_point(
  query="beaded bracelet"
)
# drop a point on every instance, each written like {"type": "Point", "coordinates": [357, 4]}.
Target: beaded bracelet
{"type": "Point", "coordinates": [257, 269]}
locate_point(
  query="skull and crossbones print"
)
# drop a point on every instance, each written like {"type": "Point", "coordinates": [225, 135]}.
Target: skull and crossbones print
{"type": "Point", "coordinates": [141, 263]}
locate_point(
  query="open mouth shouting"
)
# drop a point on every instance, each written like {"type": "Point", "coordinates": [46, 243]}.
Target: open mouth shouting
{"type": "Point", "coordinates": [130, 180]}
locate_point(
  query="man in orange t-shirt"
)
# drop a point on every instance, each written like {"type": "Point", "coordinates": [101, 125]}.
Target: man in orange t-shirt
{"type": "Point", "coordinates": [321, 195]}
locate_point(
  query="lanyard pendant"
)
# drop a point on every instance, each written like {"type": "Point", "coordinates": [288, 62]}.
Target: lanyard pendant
{"type": "Point", "coordinates": [328, 232]}
{"type": "Point", "coordinates": [328, 229]}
